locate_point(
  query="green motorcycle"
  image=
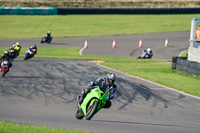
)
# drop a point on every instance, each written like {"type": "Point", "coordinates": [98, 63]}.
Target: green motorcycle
{"type": "Point", "coordinates": [92, 103]}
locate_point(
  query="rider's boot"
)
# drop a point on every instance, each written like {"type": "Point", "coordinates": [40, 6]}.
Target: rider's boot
{"type": "Point", "coordinates": [84, 92]}
{"type": "Point", "coordinates": [80, 100]}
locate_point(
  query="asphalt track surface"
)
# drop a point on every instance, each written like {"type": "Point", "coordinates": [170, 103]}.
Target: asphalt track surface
{"type": "Point", "coordinates": [126, 45]}
{"type": "Point", "coordinates": [43, 92]}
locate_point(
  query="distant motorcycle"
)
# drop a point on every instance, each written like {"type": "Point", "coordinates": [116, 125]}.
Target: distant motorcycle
{"type": "Point", "coordinates": [46, 39]}
{"type": "Point", "coordinates": [4, 67]}
{"type": "Point", "coordinates": [146, 55]}
{"type": "Point", "coordinates": [12, 54]}
{"type": "Point", "coordinates": [29, 53]}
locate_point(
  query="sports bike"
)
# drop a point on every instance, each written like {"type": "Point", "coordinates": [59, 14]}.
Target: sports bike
{"type": "Point", "coordinates": [4, 67]}
{"type": "Point", "coordinates": [29, 54]}
{"type": "Point", "coordinates": [92, 103]}
{"type": "Point", "coordinates": [46, 39]}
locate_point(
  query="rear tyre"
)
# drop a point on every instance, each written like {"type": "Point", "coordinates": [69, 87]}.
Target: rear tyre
{"type": "Point", "coordinates": [49, 41]}
{"type": "Point", "coordinates": [91, 111]}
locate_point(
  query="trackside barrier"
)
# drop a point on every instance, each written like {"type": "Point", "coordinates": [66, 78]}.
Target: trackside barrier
{"type": "Point", "coordinates": [65, 11]}
{"type": "Point", "coordinates": [182, 64]}
{"type": "Point", "coordinates": [28, 11]}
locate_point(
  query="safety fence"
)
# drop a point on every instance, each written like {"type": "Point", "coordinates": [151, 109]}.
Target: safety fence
{"type": "Point", "coordinates": [67, 11]}
{"type": "Point", "coordinates": [183, 65]}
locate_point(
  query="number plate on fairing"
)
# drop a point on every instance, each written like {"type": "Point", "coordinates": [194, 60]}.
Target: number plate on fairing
{"type": "Point", "coordinates": [5, 62]}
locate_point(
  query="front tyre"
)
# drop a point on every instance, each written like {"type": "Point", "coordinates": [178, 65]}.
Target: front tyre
{"type": "Point", "coordinates": [92, 110]}
{"type": "Point", "coordinates": [42, 41]}
{"type": "Point", "coordinates": [11, 59]}
{"type": "Point", "coordinates": [4, 72]}
{"type": "Point", "coordinates": [78, 115]}
{"type": "Point", "coordinates": [26, 58]}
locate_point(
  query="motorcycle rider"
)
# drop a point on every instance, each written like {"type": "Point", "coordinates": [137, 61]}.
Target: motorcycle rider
{"type": "Point", "coordinates": [17, 47]}
{"type": "Point", "coordinates": [48, 35]}
{"type": "Point", "coordinates": [5, 56]}
{"type": "Point", "coordinates": [31, 51]}
{"type": "Point", "coordinates": [34, 49]}
{"type": "Point", "coordinates": [146, 54]}
{"type": "Point", "coordinates": [104, 83]}
{"type": "Point", "coordinates": [12, 52]}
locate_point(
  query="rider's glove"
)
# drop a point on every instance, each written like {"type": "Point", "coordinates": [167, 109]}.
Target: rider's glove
{"type": "Point", "coordinates": [91, 84]}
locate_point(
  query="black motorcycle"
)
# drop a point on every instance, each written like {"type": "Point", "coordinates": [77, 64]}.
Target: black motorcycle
{"type": "Point", "coordinates": [46, 39]}
{"type": "Point", "coordinates": [13, 54]}
{"type": "Point", "coordinates": [145, 55]}
{"type": "Point", "coordinates": [4, 67]}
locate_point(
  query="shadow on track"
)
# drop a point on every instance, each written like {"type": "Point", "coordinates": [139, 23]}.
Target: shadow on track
{"type": "Point", "coordinates": [25, 77]}
{"type": "Point", "coordinates": [128, 91]}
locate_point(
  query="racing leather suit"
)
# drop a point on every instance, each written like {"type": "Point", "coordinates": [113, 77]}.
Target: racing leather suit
{"type": "Point", "coordinates": [101, 82]}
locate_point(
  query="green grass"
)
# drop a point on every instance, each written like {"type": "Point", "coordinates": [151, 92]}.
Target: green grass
{"type": "Point", "coordinates": [21, 128]}
{"type": "Point", "coordinates": [34, 26]}
{"type": "Point", "coordinates": [184, 54]}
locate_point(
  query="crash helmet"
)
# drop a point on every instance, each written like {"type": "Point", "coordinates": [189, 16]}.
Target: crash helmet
{"type": "Point", "coordinates": [17, 44]}
{"type": "Point", "coordinates": [149, 50]}
{"type": "Point", "coordinates": [110, 78]}
{"type": "Point", "coordinates": [49, 31]}
{"type": "Point", "coordinates": [34, 46]}
{"type": "Point", "coordinates": [5, 52]}
{"type": "Point", "coordinates": [11, 47]}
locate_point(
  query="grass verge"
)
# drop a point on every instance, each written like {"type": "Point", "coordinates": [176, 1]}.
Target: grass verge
{"type": "Point", "coordinates": [184, 53]}
{"type": "Point", "coordinates": [6, 127]}
{"type": "Point", "coordinates": [34, 26]}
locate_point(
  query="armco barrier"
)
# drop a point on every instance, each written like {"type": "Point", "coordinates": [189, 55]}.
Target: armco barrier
{"type": "Point", "coordinates": [28, 11]}
{"type": "Point", "coordinates": [65, 11]}
{"type": "Point", "coordinates": [182, 64]}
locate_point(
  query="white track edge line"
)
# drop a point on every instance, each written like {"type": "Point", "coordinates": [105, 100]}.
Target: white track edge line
{"type": "Point", "coordinates": [80, 52]}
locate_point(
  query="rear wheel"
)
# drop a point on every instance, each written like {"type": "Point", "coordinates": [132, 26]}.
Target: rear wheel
{"type": "Point", "coordinates": [91, 110]}
{"type": "Point", "coordinates": [49, 41]}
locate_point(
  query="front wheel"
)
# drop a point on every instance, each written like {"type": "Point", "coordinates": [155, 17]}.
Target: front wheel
{"type": "Point", "coordinates": [42, 41]}
{"type": "Point", "coordinates": [78, 115]}
{"type": "Point", "coordinates": [26, 57]}
{"type": "Point", "coordinates": [4, 72]}
{"type": "Point", "coordinates": [11, 59]}
{"type": "Point", "coordinates": [91, 110]}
